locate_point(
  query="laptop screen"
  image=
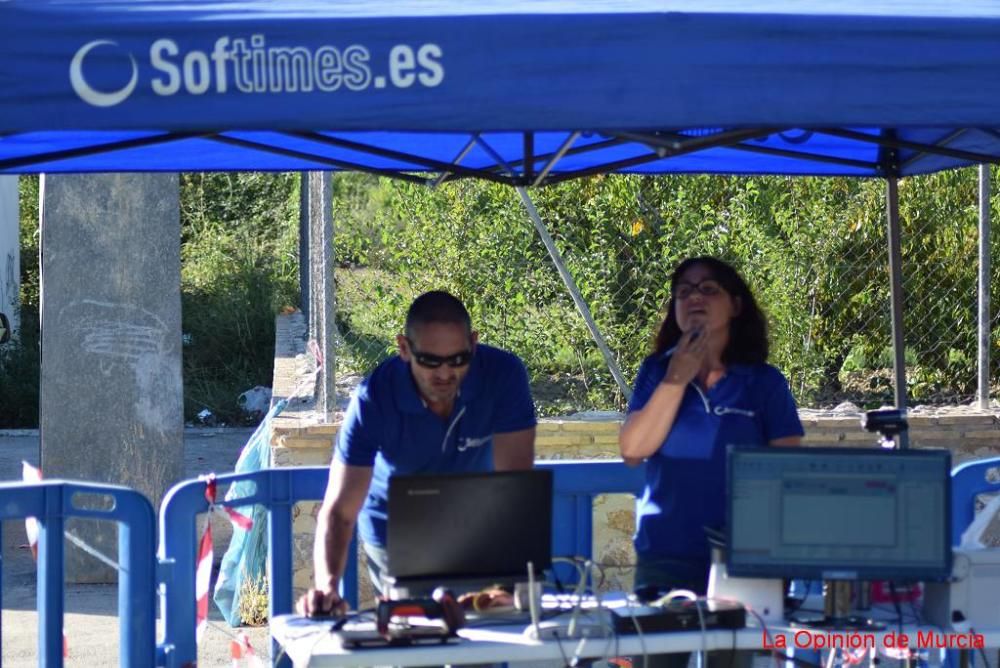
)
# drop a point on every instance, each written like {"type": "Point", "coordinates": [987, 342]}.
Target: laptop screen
{"type": "Point", "coordinates": [469, 525]}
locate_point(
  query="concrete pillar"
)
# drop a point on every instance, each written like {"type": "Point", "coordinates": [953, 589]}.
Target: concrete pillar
{"type": "Point", "coordinates": [10, 256]}
{"type": "Point", "coordinates": [111, 405]}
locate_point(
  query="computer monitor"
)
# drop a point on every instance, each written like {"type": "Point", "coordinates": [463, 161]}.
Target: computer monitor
{"type": "Point", "coordinates": [468, 528]}
{"type": "Point", "coordinates": [839, 513]}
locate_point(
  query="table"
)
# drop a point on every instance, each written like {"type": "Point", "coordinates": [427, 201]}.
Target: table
{"type": "Point", "coordinates": [310, 643]}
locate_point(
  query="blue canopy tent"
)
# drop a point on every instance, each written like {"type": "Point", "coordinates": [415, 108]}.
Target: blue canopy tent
{"type": "Point", "coordinates": [524, 92]}
{"type": "Point", "coordinates": [521, 92]}
{"type": "Point", "coordinates": [866, 88]}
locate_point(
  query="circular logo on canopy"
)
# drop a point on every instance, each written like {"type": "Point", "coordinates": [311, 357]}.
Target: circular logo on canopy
{"type": "Point", "coordinates": [87, 92]}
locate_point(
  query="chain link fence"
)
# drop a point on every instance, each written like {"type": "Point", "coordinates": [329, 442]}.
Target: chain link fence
{"type": "Point", "coordinates": [814, 250]}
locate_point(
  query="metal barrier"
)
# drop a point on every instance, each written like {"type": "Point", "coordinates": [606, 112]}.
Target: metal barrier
{"type": "Point", "coordinates": [275, 489]}
{"type": "Point", "coordinates": [50, 502]}
{"type": "Point", "coordinates": [575, 483]}
{"type": "Point", "coordinates": [969, 480]}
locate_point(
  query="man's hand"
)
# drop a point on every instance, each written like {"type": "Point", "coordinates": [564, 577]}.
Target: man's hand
{"type": "Point", "coordinates": [321, 603]}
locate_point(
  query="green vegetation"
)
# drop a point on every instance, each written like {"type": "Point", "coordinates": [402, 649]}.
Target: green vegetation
{"type": "Point", "coordinates": [239, 267]}
{"type": "Point", "coordinates": [254, 600]}
{"type": "Point", "coordinates": [19, 361]}
{"type": "Point", "coordinates": [239, 252]}
{"type": "Point", "coordinates": [813, 249]}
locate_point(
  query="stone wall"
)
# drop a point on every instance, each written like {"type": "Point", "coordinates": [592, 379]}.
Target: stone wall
{"type": "Point", "coordinates": [299, 436]}
{"type": "Point", "coordinates": [300, 439]}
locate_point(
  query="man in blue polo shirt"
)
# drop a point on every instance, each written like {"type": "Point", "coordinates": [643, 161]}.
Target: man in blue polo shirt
{"type": "Point", "coordinates": [445, 403]}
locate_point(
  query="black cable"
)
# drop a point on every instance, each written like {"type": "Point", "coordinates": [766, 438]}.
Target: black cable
{"type": "Point", "coordinates": [558, 583]}
{"type": "Point", "coordinates": [899, 615]}
{"type": "Point", "coordinates": [561, 652]}
{"type": "Point", "coordinates": [986, 661]}
{"type": "Point", "coordinates": [916, 612]}
{"type": "Point", "coordinates": [639, 635]}
{"type": "Point", "coordinates": [699, 605]}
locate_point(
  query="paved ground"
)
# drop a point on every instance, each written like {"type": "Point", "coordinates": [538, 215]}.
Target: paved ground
{"type": "Point", "coordinates": [91, 610]}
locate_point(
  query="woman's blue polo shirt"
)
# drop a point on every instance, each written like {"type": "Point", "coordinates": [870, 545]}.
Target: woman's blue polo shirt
{"type": "Point", "coordinates": [686, 478]}
{"type": "Point", "coordinates": [388, 426]}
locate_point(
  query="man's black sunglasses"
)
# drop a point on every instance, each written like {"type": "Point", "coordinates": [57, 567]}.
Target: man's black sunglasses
{"type": "Point", "coordinates": [434, 361]}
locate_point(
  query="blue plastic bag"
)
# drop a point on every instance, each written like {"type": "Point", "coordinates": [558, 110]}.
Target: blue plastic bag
{"type": "Point", "coordinates": [245, 559]}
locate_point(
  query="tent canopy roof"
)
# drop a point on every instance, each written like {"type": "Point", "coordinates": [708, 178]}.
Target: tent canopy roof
{"type": "Point", "coordinates": [519, 91]}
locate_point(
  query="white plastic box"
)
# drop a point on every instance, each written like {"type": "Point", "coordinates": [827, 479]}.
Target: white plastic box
{"type": "Point", "coordinates": [972, 598]}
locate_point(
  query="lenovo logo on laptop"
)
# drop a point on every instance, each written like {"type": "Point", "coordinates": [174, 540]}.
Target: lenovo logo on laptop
{"type": "Point", "coordinates": [422, 492]}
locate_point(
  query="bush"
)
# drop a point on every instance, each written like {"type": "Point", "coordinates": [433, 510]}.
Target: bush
{"type": "Point", "coordinates": [254, 598]}
{"type": "Point", "coordinates": [239, 248]}
{"type": "Point", "coordinates": [20, 369]}
{"type": "Point", "coordinates": [239, 268]}
{"type": "Point", "coordinates": [812, 249]}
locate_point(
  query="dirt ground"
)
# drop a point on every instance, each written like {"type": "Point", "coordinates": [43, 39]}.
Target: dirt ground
{"type": "Point", "coordinates": [91, 621]}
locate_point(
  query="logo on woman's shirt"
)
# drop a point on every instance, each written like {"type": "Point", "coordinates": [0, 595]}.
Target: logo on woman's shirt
{"type": "Point", "coordinates": [727, 410]}
{"type": "Point", "coordinates": [470, 442]}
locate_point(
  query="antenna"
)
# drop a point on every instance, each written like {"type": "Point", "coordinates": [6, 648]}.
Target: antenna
{"type": "Point", "coordinates": [533, 600]}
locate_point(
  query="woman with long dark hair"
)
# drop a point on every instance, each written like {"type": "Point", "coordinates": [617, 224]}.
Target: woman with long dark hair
{"type": "Point", "coordinates": [706, 385]}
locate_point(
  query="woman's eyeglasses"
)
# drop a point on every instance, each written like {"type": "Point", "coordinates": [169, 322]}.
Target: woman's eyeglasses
{"type": "Point", "coordinates": [430, 361]}
{"type": "Point", "coordinates": [708, 288]}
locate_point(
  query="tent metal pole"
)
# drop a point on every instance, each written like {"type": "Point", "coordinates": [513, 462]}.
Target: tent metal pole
{"type": "Point", "coordinates": [896, 295]}
{"type": "Point", "coordinates": [944, 141]}
{"type": "Point", "coordinates": [567, 278]}
{"type": "Point", "coordinates": [458, 158]}
{"type": "Point", "coordinates": [574, 292]}
{"type": "Point", "coordinates": [566, 145]}
{"type": "Point", "coordinates": [984, 287]}
{"type": "Point", "coordinates": [890, 141]}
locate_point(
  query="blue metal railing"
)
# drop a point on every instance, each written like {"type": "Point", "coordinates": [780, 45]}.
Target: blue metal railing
{"type": "Point", "coordinates": [968, 481]}
{"type": "Point", "coordinates": [51, 502]}
{"type": "Point", "coordinates": [575, 484]}
{"type": "Point", "coordinates": [277, 490]}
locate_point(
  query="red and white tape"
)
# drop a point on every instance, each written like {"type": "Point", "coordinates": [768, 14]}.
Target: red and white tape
{"type": "Point", "coordinates": [202, 579]}
{"type": "Point", "coordinates": [203, 571]}
{"type": "Point", "coordinates": [240, 648]}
